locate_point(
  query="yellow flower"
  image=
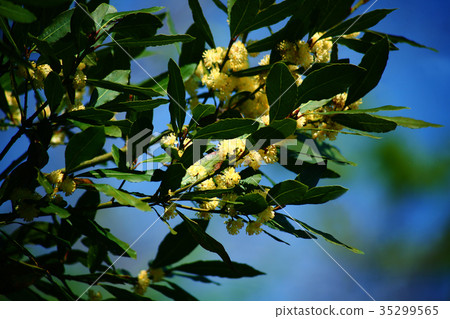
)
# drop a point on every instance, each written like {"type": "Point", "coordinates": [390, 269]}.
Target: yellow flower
{"type": "Point", "coordinates": [238, 56]}
{"type": "Point", "coordinates": [169, 211]}
{"type": "Point", "coordinates": [210, 205]}
{"type": "Point", "coordinates": [143, 282]}
{"type": "Point", "coordinates": [213, 57]}
{"type": "Point", "coordinates": [266, 215]}
{"type": "Point", "coordinates": [232, 148]}
{"type": "Point", "coordinates": [55, 177]}
{"type": "Point", "coordinates": [253, 159]}
{"type": "Point", "coordinates": [41, 74]}
{"type": "Point", "coordinates": [168, 140]}
{"type": "Point", "coordinates": [207, 185]}
{"type": "Point", "coordinates": [265, 60]}
{"type": "Point", "coordinates": [79, 80]}
{"type": "Point", "coordinates": [197, 171]}
{"type": "Point", "coordinates": [253, 228]}
{"type": "Point", "coordinates": [270, 154]}
{"type": "Point", "coordinates": [68, 186]}
{"type": "Point", "coordinates": [228, 179]}
{"type": "Point", "coordinates": [94, 295]}
{"type": "Point", "coordinates": [234, 226]}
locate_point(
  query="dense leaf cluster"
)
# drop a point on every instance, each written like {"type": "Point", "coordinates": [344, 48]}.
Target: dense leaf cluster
{"type": "Point", "coordinates": [52, 50]}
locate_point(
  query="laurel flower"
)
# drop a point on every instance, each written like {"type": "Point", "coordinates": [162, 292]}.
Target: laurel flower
{"type": "Point", "coordinates": [170, 212]}
{"type": "Point", "coordinates": [266, 215]}
{"type": "Point", "coordinates": [234, 226]}
{"type": "Point", "coordinates": [253, 159]}
{"type": "Point", "coordinates": [41, 74]}
{"type": "Point", "coordinates": [168, 140]}
{"type": "Point", "coordinates": [270, 154]}
{"type": "Point", "coordinates": [55, 177]}
{"type": "Point", "coordinates": [142, 283]}
{"type": "Point", "coordinates": [321, 48]}
{"type": "Point", "coordinates": [79, 80]}
{"type": "Point", "coordinates": [207, 185]}
{"type": "Point", "coordinates": [238, 56]}
{"type": "Point", "coordinates": [253, 228]}
{"type": "Point", "coordinates": [94, 295]}
{"type": "Point", "coordinates": [57, 138]}
{"type": "Point", "coordinates": [213, 57]}
{"type": "Point", "coordinates": [301, 121]}
{"type": "Point", "coordinates": [210, 204]}
{"type": "Point", "coordinates": [228, 179]}
{"type": "Point", "coordinates": [265, 60]}
{"type": "Point", "coordinates": [68, 186]}
{"type": "Point", "coordinates": [197, 171]}
{"type": "Point", "coordinates": [232, 148]}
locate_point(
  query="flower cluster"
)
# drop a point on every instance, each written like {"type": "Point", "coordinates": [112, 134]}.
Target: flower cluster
{"type": "Point", "coordinates": [62, 183]}
{"type": "Point", "coordinates": [323, 126]}
{"type": "Point", "coordinates": [142, 283]}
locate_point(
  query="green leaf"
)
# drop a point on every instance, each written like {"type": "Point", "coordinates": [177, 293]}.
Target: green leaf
{"type": "Point", "coordinates": [129, 89]}
{"type": "Point", "coordinates": [123, 294]}
{"type": "Point", "coordinates": [365, 122]}
{"type": "Point", "coordinates": [277, 130]}
{"type": "Point", "coordinates": [242, 15]}
{"type": "Point", "coordinates": [322, 194]}
{"type": "Point", "coordinates": [42, 4]}
{"type": "Point", "coordinates": [273, 14]}
{"type": "Point", "coordinates": [252, 204]}
{"type": "Point", "coordinates": [156, 40]}
{"type": "Point", "coordinates": [173, 248]}
{"type": "Point", "coordinates": [227, 129]}
{"type": "Point", "coordinates": [53, 209]}
{"type": "Point", "coordinates": [372, 110]}
{"type": "Point", "coordinates": [401, 39]}
{"type": "Point", "coordinates": [172, 177]}
{"type": "Point", "coordinates": [220, 5]}
{"type": "Point", "coordinates": [117, 77]}
{"type": "Point", "coordinates": [84, 146]}
{"type": "Point", "coordinates": [280, 222]}
{"type": "Point", "coordinates": [200, 21]}
{"type": "Point", "coordinates": [118, 15]}
{"type": "Point", "coordinates": [91, 115]}
{"type": "Point", "coordinates": [327, 82]}
{"type": "Point", "coordinates": [161, 82]}
{"type": "Point", "coordinates": [331, 13]}
{"type": "Point", "coordinates": [44, 182]}
{"type": "Point", "coordinates": [219, 268]}
{"type": "Point", "coordinates": [123, 198]}
{"type": "Point", "coordinates": [408, 122]}
{"type": "Point", "coordinates": [374, 61]}
{"type": "Point", "coordinates": [138, 106]}
{"type": "Point", "coordinates": [54, 90]}
{"type": "Point", "coordinates": [100, 12]}
{"type": "Point", "coordinates": [252, 71]}
{"type": "Point", "coordinates": [326, 236]}
{"type": "Point", "coordinates": [205, 240]}
{"type": "Point", "coordinates": [176, 94]}
{"type": "Point", "coordinates": [358, 23]}
{"type": "Point", "coordinates": [281, 91]}
{"type": "Point", "coordinates": [16, 13]}
{"type": "Point", "coordinates": [129, 176]}
{"type": "Point", "coordinates": [176, 292]}
{"type": "Point", "coordinates": [191, 52]}
{"type": "Point", "coordinates": [285, 193]}
{"type": "Point", "coordinates": [137, 26]}
{"type": "Point", "coordinates": [202, 110]}
{"type": "Point", "coordinates": [59, 27]}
